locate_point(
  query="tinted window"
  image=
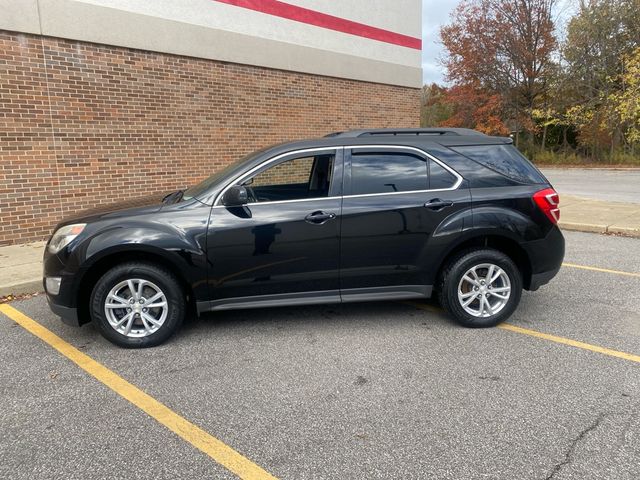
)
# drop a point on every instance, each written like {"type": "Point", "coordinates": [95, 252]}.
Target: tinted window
{"type": "Point", "coordinates": [294, 179]}
{"type": "Point", "coordinates": [504, 159]}
{"type": "Point", "coordinates": [387, 172]}
{"type": "Point", "coordinates": [439, 177]}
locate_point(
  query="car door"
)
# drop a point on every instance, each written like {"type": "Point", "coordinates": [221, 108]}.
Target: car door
{"type": "Point", "coordinates": [282, 246]}
{"type": "Point", "coordinates": [391, 209]}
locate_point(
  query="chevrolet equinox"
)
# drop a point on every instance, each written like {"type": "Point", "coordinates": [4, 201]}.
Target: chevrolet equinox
{"type": "Point", "coordinates": [354, 216]}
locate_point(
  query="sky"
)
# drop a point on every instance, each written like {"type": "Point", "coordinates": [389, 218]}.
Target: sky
{"type": "Point", "coordinates": [435, 13]}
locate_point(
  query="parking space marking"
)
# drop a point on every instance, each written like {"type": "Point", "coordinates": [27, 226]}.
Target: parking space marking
{"type": "Point", "coordinates": [545, 336]}
{"type": "Point", "coordinates": [573, 343]}
{"type": "Point", "coordinates": [203, 441]}
{"type": "Point", "coordinates": [603, 270]}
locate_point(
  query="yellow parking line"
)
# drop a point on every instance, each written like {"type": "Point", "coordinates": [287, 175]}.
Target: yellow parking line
{"type": "Point", "coordinates": [598, 269]}
{"type": "Point", "coordinates": [544, 336]}
{"type": "Point", "coordinates": [573, 343]}
{"type": "Point", "coordinates": [203, 441]}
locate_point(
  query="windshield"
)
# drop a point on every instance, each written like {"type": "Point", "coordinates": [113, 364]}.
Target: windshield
{"type": "Point", "coordinates": [202, 187]}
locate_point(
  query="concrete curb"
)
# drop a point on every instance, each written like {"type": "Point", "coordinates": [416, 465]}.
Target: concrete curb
{"type": "Point", "coordinates": [25, 287]}
{"type": "Point", "coordinates": [601, 229]}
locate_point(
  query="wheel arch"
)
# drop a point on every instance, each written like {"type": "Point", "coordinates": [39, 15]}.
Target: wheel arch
{"type": "Point", "coordinates": [499, 241]}
{"type": "Point", "coordinates": [115, 257]}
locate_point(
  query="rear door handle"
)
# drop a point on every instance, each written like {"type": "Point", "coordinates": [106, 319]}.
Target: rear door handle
{"type": "Point", "coordinates": [319, 217]}
{"type": "Point", "coordinates": [438, 204]}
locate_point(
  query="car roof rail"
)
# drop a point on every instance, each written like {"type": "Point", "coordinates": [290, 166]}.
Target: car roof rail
{"type": "Point", "coordinates": [387, 132]}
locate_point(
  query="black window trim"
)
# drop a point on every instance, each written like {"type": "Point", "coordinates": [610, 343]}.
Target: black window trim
{"type": "Point", "coordinates": [410, 151]}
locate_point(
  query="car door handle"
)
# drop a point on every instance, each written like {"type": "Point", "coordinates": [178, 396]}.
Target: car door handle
{"type": "Point", "coordinates": [319, 217]}
{"type": "Point", "coordinates": [438, 204]}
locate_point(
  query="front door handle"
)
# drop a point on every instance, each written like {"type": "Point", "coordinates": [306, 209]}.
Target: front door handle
{"type": "Point", "coordinates": [319, 217]}
{"type": "Point", "coordinates": [438, 204]}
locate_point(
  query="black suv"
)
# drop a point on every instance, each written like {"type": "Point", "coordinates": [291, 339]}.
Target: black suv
{"type": "Point", "coordinates": [354, 216]}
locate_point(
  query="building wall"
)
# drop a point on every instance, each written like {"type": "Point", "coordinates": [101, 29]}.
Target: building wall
{"type": "Point", "coordinates": [84, 124]}
{"type": "Point", "coordinates": [371, 40]}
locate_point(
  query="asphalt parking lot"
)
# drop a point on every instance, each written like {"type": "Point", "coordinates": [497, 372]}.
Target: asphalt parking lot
{"type": "Point", "coordinates": [357, 391]}
{"type": "Point", "coordinates": [613, 185]}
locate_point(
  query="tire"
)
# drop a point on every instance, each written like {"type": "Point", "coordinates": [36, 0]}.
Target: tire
{"type": "Point", "coordinates": [147, 326]}
{"type": "Point", "coordinates": [501, 297]}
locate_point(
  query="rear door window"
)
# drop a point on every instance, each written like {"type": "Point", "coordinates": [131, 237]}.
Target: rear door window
{"type": "Point", "coordinates": [386, 172]}
{"type": "Point", "coordinates": [504, 159]}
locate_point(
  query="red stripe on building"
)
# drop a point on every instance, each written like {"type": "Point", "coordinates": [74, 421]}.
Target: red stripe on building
{"type": "Point", "coordinates": [324, 20]}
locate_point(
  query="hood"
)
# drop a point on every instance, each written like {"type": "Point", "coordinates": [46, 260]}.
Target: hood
{"type": "Point", "coordinates": [148, 204]}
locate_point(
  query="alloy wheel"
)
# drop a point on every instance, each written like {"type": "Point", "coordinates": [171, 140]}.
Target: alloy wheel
{"type": "Point", "coordinates": [484, 290]}
{"type": "Point", "coordinates": [136, 308]}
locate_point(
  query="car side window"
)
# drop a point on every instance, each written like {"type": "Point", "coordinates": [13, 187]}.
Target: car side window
{"type": "Point", "coordinates": [293, 179]}
{"type": "Point", "coordinates": [387, 172]}
{"type": "Point", "coordinates": [440, 177]}
{"type": "Point", "coordinates": [504, 159]}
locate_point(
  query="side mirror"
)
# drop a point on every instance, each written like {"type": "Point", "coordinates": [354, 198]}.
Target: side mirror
{"type": "Point", "coordinates": [236, 196]}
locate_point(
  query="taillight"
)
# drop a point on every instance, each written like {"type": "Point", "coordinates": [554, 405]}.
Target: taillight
{"type": "Point", "coordinates": [548, 201]}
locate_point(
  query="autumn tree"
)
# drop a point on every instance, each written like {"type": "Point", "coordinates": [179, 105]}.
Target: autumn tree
{"type": "Point", "coordinates": [434, 106]}
{"type": "Point", "coordinates": [502, 51]}
{"type": "Point", "coordinates": [600, 40]}
{"type": "Point", "coordinates": [627, 100]}
{"type": "Point", "coordinates": [476, 108]}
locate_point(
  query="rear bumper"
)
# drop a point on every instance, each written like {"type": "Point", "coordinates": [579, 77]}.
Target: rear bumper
{"type": "Point", "coordinates": [68, 315]}
{"type": "Point", "coordinates": [546, 256]}
{"type": "Point", "coordinates": [540, 279]}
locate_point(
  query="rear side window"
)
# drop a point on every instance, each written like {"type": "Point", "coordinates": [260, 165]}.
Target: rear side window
{"type": "Point", "coordinates": [504, 159]}
{"type": "Point", "coordinates": [387, 172]}
{"type": "Point", "coordinates": [439, 177]}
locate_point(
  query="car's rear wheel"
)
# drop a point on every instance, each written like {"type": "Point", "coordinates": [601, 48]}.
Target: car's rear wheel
{"type": "Point", "coordinates": [480, 288]}
{"type": "Point", "coordinates": [137, 305]}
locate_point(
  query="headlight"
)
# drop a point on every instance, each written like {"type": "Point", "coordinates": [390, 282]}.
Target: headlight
{"type": "Point", "coordinates": [64, 235]}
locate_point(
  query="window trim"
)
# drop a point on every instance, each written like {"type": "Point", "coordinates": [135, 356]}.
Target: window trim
{"type": "Point", "coordinates": [336, 150]}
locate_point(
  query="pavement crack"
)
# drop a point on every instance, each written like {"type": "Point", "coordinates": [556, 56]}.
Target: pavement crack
{"type": "Point", "coordinates": [568, 456]}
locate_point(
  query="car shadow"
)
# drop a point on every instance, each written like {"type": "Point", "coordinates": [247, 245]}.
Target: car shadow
{"type": "Point", "coordinates": [364, 315]}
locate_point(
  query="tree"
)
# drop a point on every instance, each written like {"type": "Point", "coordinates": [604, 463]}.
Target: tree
{"type": "Point", "coordinates": [599, 38]}
{"type": "Point", "coordinates": [474, 107]}
{"type": "Point", "coordinates": [435, 107]}
{"type": "Point", "coordinates": [627, 101]}
{"type": "Point", "coordinates": [502, 49]}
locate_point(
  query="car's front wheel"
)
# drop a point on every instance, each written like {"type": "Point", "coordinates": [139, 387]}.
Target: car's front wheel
{"type": "Point", "coordinates": [480, 288]}
{"type": "Point", "coordinates": [137, 305]}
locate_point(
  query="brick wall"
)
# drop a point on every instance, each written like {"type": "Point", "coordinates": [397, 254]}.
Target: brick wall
{"type": "Point", "coordinates": [84, 124]}
{"type": "Point", "coordinates": [292, 171]}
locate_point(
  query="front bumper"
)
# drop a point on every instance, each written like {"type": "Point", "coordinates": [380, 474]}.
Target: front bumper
{"type": "Point", "coordinates": [63, 303]}
{"type": "Point", "coordinates": [68, 315]}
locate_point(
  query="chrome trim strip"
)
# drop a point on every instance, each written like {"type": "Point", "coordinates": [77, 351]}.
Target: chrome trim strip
{"type": "Point", "coordinates": [317, 199]}
{"type": "Point", "coordinates": [408, 192]}
{"type": "Point", "coordinates": [350, 147]}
